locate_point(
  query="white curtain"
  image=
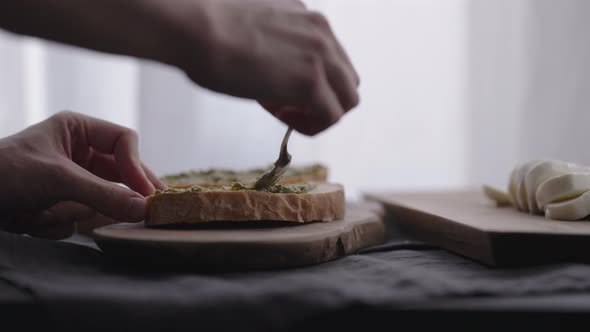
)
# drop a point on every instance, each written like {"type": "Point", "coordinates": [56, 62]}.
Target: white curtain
{"type": "Point", "coordinates": [453, 94]}
{"type": "Point", "coordinates": [528, 85]}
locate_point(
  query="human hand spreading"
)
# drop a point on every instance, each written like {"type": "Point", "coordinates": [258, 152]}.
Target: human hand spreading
{"type": "Point", "coordinates": [64, 169]}
{"type": "Point", "coordinates": [273, 51]}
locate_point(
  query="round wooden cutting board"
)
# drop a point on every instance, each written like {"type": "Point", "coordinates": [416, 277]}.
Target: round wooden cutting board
{"type": "Point", "coordinates": [242, 246]}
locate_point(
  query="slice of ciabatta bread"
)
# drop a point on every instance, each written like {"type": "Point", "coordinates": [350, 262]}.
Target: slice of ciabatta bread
{"type": "Point", "coordinates": [225, 177]}
{"type": "Point", "coordinates": [294, 203]}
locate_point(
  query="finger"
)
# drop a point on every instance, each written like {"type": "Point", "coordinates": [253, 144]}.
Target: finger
{"type": "Point", "coordinates": [341, 74]}
{"type": "Point", "coordinates": [108, 198]}
{"type": "Point", "coordinates": [55, 222]}
{"type": "Point", "coordinates": [324, 111]}
{"type": "Point", "coordinates": [63, 213]}
{"type": "Point", "coordinates": [19, 224]}
{"type": "Point", "coordinates": [98, 220]}
{"type": "Point", "coordinates": [122, 142]}
{"type": "Point", "coordinates": [104, 166]}
{"type": "Point", "coordinates": [318, 20]}
{"type": "Point", "coordinates": [344, 56]}
{"type": "Point", "coordinates": [269, 106]}
{"type": "Point", "coordinates": [132, 172]}
{"type": "Point", "coordinates": [342, 82]}
{"type": "Point", "coordinates": [299, 3]}
{"type": "Point", "coordinates": [289, 4]}
{"type": "Point", "coordinates": [54, 232]}
{"type": "Point", "coordinates": [298, 118]}
{"type": "Point", "coordinates": [153, 178]}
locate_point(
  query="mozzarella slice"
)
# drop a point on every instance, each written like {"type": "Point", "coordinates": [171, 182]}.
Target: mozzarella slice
{"type": "Point", "coordinates": [512, 186]}
{"type": "Point", "coordinates": [573, 209]}
{"type": "Point", "coordinates": [561, 188]}
{"type": "Point", "coordinates": [497, 195]}
{"type": "Point", "coordinates": [538, 174]}
{"type": "Point", "coordinates": [552, 187]}
{"type": "Point", "coordinates": [521, 194]}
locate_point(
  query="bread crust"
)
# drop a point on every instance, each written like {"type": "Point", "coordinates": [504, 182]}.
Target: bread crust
{"type": "Point", "coordinates": [326, 202]}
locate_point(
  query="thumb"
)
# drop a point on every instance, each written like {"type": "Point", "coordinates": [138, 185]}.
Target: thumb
{"type": "Point", "coordinates": [108, 198]}
{"type": "Point", "coordinates": [293, 116]}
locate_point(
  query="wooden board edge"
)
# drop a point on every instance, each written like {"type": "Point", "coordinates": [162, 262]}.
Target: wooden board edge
{"type": "Point", "coordinates": [444, 233]}
{"type": "Point", "coordinates": [497, 249]}
{"type": "Point", "coordinates": [528, 249]}
{"type": "Point", "coordinates": [214, 258]}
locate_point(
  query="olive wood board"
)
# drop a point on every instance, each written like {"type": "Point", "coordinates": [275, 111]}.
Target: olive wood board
{"type": "Point", "coordinates": [241, 245]}
{"type": "Point", "coordinates": [469, 224]}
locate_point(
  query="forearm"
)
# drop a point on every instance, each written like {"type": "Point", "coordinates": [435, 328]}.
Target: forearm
{"type": "Point", "coordinates": [140, 28]}
{"type": "Point", "coordinates": [273, 51]}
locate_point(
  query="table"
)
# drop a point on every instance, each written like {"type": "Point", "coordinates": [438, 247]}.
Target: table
{"type": "Point", "coordinates": [70, 286]}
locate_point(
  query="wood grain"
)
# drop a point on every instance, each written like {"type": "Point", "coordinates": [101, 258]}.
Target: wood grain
{"type": "Point", "coordinates": [243, 245]}
{"type": "Point", "coordinates": [469, 224]}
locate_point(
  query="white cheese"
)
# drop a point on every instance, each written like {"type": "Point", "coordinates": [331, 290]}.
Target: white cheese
{"type": "Point", "coordinates": [573, 209]}
{"type": "Point", "coordinates": [538, 174]}
{"type": "Point", "coordinates": [497, 195]}
{"type": "Point", "coordinates": [520, 196]}
{"type": "Point", "coordinates": [556, 188]}
{"type": "Point", "coordinates": [561, 188]}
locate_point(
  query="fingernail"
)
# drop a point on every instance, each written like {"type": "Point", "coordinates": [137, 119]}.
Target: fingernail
{"type": "Point", "coordinates": [160, 185]}
{"type": "Point", "coordinates": [152, 188]}
{"type": "Point", "coordinates": [136, 209]}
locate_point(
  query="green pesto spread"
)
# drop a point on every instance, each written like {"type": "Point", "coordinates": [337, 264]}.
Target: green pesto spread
{"type": "Point", "coordinates": [227, 176]}
{"type": "Point", "coordinates": [236, 186]}
{"type": "Point", "coordinates": [276, 188]}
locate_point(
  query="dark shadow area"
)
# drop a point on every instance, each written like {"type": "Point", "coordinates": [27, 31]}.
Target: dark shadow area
{"type": "Point", "coordinates": [358, 319]}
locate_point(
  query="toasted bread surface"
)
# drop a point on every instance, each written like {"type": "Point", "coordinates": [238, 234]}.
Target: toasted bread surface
{"type": "Point", "coordinates": [325, 202]}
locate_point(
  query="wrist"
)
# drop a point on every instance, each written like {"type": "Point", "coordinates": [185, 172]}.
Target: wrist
{"type": "Point", "coordinates": [176, 36]}
{"type": "Point", "coordinates": [140, 28]}
{"type": "Point", "coordinates": [189, 39]}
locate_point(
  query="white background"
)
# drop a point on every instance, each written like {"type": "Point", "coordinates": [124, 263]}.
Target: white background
{"type": "Point", "coordinates": [454, 93]}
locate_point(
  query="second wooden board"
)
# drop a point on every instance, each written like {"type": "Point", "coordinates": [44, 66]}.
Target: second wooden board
{"type": "Point", "coordinates": [469, 224]}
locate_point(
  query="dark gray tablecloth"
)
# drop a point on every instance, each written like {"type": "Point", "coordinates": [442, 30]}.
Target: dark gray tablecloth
{"type": "Point", "coordinates": [74, 287]}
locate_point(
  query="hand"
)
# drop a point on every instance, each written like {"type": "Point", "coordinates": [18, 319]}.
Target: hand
{"type": "Point", "coordinates": [273, 51]}
{"type": "Point", "coordinates": [64, 169]}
